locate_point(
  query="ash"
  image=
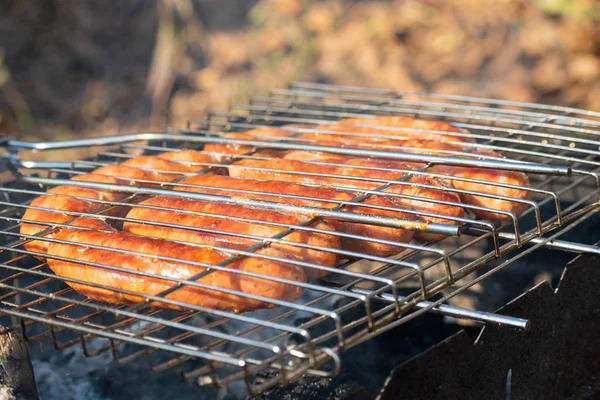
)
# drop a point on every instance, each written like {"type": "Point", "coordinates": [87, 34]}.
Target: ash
{"type": "Point", "coordinates": [68, 374]}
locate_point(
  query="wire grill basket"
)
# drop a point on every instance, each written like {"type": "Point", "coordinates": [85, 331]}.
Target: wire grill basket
{"type": "Point", "coordinates": [364, 295]}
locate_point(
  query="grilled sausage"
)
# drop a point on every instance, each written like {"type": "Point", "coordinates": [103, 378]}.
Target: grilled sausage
{"type": "Point", "coordinates": [148, 249]}
{"type": "Point", "coordinates": [187, 157]}
{"type": "Point", "coordinates": [414, 124]}
{"type": "Point", "coordinates": [348, 125]}
{"type": "Point", "coordinates": [79, 251]}
{"type": "Point", "coordinates": [492, 177]}
{"type": "Point", "coordinates": [435, 144]}
{"type": "Point", "coordinates": [220, 152]}
{"type": "Point", "coordinates": [183, 214]}
{"type": "Point", "coordinates": [158, 165]}
{"type": "Point", "coordinates": [134, 176]}
{"type": "Point", "coordinates": [62, 199]}
{"type": "Point", "coordinates": [323, 197]}
{"type": "Point", "coordinates": [350, 176]}
{"type": "Point", "coordinates": [434, 188]}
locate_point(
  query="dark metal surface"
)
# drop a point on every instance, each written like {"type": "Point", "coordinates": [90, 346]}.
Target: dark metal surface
{"type": "Point", "coordinates": [367, 365]}
{"type": "Point", "coordinates": [558, 358]}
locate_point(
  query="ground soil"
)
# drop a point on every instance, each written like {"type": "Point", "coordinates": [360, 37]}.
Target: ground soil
{"type": "Point", "coordinates": [71, 68]}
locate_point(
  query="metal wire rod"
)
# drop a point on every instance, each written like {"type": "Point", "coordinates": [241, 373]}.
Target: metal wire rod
{"type": "Point", "coordinates": [418, 158]}
{"type": "Point", "coordinates": [459, 312]}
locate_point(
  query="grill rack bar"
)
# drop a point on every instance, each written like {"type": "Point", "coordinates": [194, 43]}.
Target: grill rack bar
{"type": "Point", "coordinates": [457, 312]}
{"type": "Point", "coordinates": [399, 106]}
{"type": "Point", "coordinates": [390, 104]}
{"type": "Point", "coordinates": [389, 194]}
{"type": "Point", "coordinates": [530, 237]}
{"type": "Point", "coordinates": [572, 147]}
{"type": "Point", "coordinates": [535, 168]}
{"type": "Point", "coordinates": [403, 148]}
{"type": "Point", "coordinates": [421, 113]}
{"type": "Point", "coordinates": [470, 99]}
{"type": "Point", "coordinates": [449, 230]}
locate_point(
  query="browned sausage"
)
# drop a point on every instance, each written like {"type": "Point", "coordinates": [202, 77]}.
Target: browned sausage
{"type": "Point", "coordinates": [191, 158]}
{"type": "Point", "coordinates": [104, 235]}
{"type": "Point", "coordinates": [433, 145]}
{"type": "Point", "coordinates": [492, 176]}
{"type": "Point", "coordinates": [349, 125]}
{"type": "Point", "coordinates": [224, 151]}
{"type": "Point", "coordinates": [133, 176]}
{"type": "Point", "coordinates": [402, 122]}
{"type": "Point", "coordinates": [63, 196]}
{"type": "Point", "coordinates": [209, 223]}
{"type": "Point", "coordinates": [157, 165]}
{"type": "Point", "coordinates": [62, 199]}
{"type": "Point", "coordinates": [325, 197]}
{"type": "Point", "coordinates": [299, 171]}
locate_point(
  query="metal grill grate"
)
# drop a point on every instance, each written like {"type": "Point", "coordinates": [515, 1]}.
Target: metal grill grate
{"type": "Point", "coordinates": [364, 295]}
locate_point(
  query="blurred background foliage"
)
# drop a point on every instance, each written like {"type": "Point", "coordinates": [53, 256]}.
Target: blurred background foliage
{"type": "Point", "coordinates": [73, 68]}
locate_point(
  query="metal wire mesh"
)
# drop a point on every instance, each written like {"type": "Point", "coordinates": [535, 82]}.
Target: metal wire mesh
{"type": "Point", "coordinates": [557, 147]}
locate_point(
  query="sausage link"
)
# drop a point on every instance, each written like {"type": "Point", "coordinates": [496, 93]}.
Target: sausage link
{"type": "Point", "coordinates": [402, 122]}
{"type": "Point", "coordinates": [104, 235]}
{"type": "Point", "coordinates": [180, 215]}
{"type": "Point", "coordinates": [62, 198]}
{"type": "Point", "coordinates": [157, 165]}
{"type": "Point", "coordinates": [106, 195]}
{"type": "Point", "coordinates": [133, 176]}
{"type": "Point", "coordinates": [446, 149]}
{"type": "Point", "coordinates": [59, 203]}
{"type": "Point", "coordinates": [426, 143]}
{"type": "Point", "coordinates": [327, 198]}
{"type": "Point", "coordinates": [299, 171]}
{"type": "Point", "coordinates": [492, 176]}
{"type": "Point", "coordinates": [223, 151]}
{"type": "Point", "coordinates": [187, 157]}
{"type": "Point", "coordinates": [137, 169]}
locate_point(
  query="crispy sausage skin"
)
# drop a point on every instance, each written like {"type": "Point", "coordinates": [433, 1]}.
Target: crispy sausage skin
{"type": "Point", "coordinates": [299, 171]}
{"type": "Point", "coordinates": [104, 235]}
{"type": "Point", "coordinates": [206, 225]}
{"type": "Point", "coordinates": [64, 198]}
{"type": "Point", "coordinates": [423, 143]}
{"type": "Point", "coordinates": [493, 177]}
{"type": "Point", "coordinates": [321, 197]}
